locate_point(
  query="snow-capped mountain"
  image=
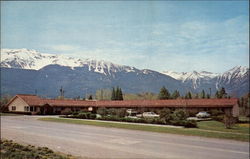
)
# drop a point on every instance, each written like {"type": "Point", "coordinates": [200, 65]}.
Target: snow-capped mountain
{"type": "Point", "coordinates": [238, 72]}
{"type": "Point", "coordinates": [24, 71]}
{"type": "Point", "coordinates": [236, 80]}
{"type": "Point", "coordinates": [183, 76]}
{"type": "Point", "coordinates": [28, 71]}
{"type": "Point", "coordinates": [192, 77]}
{"type": "Point", "coordinates": [31, 59]}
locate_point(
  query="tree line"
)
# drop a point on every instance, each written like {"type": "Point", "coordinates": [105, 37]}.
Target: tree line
{"type": "Point", "coordinates": [116, 93]}
{"type": "Point", "coordinates": [165, 94]}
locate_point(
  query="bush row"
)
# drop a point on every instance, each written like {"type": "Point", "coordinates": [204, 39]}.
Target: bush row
{"type": "Point", "coordinates": [19, 112]}
{"type": "Point", "coordinates": [185, 123]}
{"type": "Point", "coordinates": [163, 121]}
{"type": "Point", "coordinates": [81, 115]}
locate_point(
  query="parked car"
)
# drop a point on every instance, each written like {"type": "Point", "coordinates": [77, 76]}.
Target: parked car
{"type": "Point", "coordinates": [202, 115]}
{"type": "Point", "coordinates": [150, 114]}
{"type": "Point", "coordinates": [131, 112]}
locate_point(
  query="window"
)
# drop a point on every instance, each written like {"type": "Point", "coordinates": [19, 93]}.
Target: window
{"type": "Point", "coordinates": [26, 108]}
{"type": "Point", "coordinates": [31, 109]}
{"type": "Point", "coordinates": [13, 108]}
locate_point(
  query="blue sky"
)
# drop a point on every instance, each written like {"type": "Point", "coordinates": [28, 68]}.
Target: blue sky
{"type": "Point", "coordinates": [158, 35]}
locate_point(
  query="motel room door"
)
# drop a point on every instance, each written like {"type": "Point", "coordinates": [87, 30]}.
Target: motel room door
{"type": "Point", "coordinates": [46, 110]}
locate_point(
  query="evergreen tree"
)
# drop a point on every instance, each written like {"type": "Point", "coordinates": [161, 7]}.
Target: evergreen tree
{"type": "Point", "coordinates": [113, 96]}
{"type": "Point", "coordinates": [217, 95]}
{"type": "Point", "coordinates": [176, 94]}
{"type": "Point", "coordinates": [62, 91]}
{"type": "Point", "coordinates": [164, 94]}
{"type": "Point", "coordinates": [120, 95]}
{"type": "Point", "coordinates": [223, 93]}
{"type": "Point", "coordinates": [90, 97]}
{"type": "Point", "coordinates": [188, 95]}
{"type": "Point", "coordinates": [203, 94]}
{"type": "Point", "coordinates": [117, 93]}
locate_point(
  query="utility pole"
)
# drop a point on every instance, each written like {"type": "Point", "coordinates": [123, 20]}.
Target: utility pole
{"type": "Point", "coordinates": [62, 92]}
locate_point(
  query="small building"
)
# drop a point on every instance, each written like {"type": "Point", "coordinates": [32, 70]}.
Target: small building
{"type": "Point", "coordinates": [33, 104]}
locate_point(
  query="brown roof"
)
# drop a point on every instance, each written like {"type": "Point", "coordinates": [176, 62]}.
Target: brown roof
{"type": "Point", "coordinates": [29, 99]}
{"type": "Point", "coordinates": [170, 103]}
{"type": "Point", "coordinates": [34, 100]}
{"type": "Point", "coordinates": [68, 102]}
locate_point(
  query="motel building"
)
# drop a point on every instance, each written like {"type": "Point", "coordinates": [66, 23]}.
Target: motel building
{"type": "Point", "coordinates": [32, 104]}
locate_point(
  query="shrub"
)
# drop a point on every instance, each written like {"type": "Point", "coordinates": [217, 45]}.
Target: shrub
{"type": "Point", "coordinates": [218, 118]}
{"type": "Point", "coordinates": [82, 116]}
{"type": "Point", "coordinates": [215, 112]}
{"type": "Point", "coordinates": [165, 114]}
{"type": "Point", "coordinates": [75, 113]}
{"type": "Point", "coordinates": [20, 112]}
{"type": "Point", "coordinates": [229, 121]}
{"type": "Point", "coordinates": [102, 111]}
{"type": "Point", "coordinates": [192, 114]}
{"type": "Point", "coordinates": [179, 114]}
{"type": "Point", "coordinates": [162, 121]}
{"type": "Point", "coordinates": [178, 122]}
{"type": "Point", "coordinates": [66, 111]}
{"type": "Point", "coordinates": [112, 111]}
{"type": "Point", "coordinates": [121, 112]}
{"type": "Point", "coordinates": [190, 124]}
{"type": "Point", "coordinates": [92, 116]}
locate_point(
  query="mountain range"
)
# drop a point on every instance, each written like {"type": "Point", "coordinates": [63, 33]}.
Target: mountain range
{"type": "Point", "coordinates": [29, 71]}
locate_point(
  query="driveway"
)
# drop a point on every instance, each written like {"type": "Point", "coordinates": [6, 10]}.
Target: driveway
{"type": "Point", "coordinates": [100, 142]}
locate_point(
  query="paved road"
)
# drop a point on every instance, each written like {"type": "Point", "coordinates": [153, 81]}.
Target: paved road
{"type": "Point", "coordinates": [99, 142]}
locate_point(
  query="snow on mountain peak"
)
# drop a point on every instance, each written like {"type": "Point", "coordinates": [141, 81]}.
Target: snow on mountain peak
{"type": "Point", "coordinates": [240, 70]}
{"type": "Point", "coordinates": [31, 59]}
{"type": "Point", "coordinates": [237, 72]}
{"type": "Point", "coordinates": [190, 75]}
{"type": "Point", "coordinates": [194, 77]}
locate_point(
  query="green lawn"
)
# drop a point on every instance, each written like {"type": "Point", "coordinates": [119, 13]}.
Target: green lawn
{"type": "Point", "coordinates": [9, 114]}
{"type": "Point", "coordinates": [218, 126]}
{"type": "Point", "coordinates": [205, 128]}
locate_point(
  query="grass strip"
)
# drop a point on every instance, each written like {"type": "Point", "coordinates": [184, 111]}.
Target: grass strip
{"type": "Point", "coordinates": [159, 129]}
{"type": "Point", "coordinates": [9, 114]}
{"type": "Point", "coordinates": [219, 126]}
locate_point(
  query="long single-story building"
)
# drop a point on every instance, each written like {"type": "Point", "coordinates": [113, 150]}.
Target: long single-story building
{"type": "Point", "coordinates": [36, 105]}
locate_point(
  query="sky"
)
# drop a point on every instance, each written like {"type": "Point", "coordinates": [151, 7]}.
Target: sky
{"type": "Point", "coordinates": [180, 36]}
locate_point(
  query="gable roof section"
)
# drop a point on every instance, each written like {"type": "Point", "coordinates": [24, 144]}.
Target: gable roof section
{"type": "Point", "coordinates": [29, 99]}
{"type": "Point", "coordinates": [34, 100]}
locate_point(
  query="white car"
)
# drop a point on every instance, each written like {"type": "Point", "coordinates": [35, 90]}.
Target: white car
{"type": "Point", "coordinates": [202, 115]}
{"type": "Point", "coordinates": [150, 114]}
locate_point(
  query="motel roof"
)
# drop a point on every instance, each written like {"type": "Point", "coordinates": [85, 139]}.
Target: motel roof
{"type": "Point", "coordinates": [33, 100]}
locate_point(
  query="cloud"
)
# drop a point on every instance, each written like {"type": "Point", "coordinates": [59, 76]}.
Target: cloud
{"type": "Point", "coordinates": [183, 46]}
{"type": "Point", "coordinates": [64, 48]}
